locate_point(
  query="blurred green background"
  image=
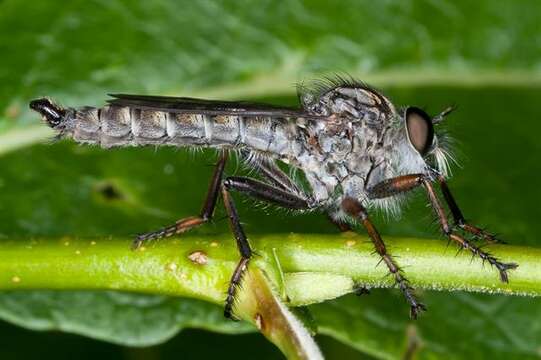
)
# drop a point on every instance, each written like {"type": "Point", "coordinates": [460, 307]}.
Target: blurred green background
{"type": "Point", "coordinates": [484, 56]}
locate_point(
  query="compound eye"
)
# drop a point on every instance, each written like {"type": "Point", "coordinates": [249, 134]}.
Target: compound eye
{"type": "Point", "coordinates": [420, 130]}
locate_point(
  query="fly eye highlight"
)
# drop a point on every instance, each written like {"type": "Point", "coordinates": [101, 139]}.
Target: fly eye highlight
{"type": "Point", "coordinates": [419, 129]}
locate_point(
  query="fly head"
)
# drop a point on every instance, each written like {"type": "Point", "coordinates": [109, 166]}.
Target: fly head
{"type": "Point", "coordinates": [423, 138]}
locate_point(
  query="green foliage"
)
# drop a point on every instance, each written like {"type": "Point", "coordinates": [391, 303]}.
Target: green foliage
{"type": "Point", "coordinates": [122, 318]}
{"type": "Point", "coordinates": [78, 51]}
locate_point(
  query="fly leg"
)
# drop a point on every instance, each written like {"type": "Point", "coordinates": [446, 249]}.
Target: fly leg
{"type": "Point", "coordinates": [405, 183]}
{"type": "Point", "coordinates": [460, 240]}
{"type": "Point", "coordinates": [188, 223]}
{"type": "Point", "coordinates": [275, 175]}
{"type": "Point", "coordinates": [459, 219]}
{"type": "Point", "coordinates": [267, 193]}
{"type": "Point", "coordinates": [356, 210]}
{"type": "Point", "coordinates": [261, 191]}
{"type": "Point", "coordinates": [244, 248]}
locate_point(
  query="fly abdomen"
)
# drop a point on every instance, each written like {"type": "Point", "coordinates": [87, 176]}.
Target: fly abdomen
{"type": "Point", "coordinates": [114, 126]}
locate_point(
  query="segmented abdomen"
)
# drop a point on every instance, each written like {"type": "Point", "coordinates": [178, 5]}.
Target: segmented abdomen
{"type": "Point", "coordinates": [122, 126]}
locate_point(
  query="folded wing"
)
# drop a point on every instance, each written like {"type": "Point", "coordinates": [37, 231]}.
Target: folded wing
{"type": "Point", "coordinates": [207, 107]}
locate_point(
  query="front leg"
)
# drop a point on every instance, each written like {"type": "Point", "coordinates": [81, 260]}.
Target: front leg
{"type": "Point", "coordinates": [458, 218]}
{"type": "Point", "coordinates": [405, 183]}
{"type": "Point", "coordinates": [463, 242]}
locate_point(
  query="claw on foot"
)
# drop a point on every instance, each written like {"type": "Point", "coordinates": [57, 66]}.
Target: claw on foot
{"type": "Point", "coordinates": [476, 251]}
{"type": "Point", "coordinates": [503, 267]}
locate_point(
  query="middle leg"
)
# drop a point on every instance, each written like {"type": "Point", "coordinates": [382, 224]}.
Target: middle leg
{"type": "Point", "coordinates": [357, 211]}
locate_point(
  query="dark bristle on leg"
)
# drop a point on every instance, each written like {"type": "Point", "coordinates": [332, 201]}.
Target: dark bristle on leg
{"type": "Point", "coordinates": [191, 222]}
{"type": "Point", "coordinates": [234, 284]}
{"type": "Point", "coordinates": [356, 210]}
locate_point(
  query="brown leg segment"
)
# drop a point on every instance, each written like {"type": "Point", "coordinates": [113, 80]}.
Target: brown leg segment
{"type": "Point", "coordinates": [405, 183]}
{"type": "Point", "coordinates": [356, 210]}
{"type": "Point", "coordinates": [191, 222]}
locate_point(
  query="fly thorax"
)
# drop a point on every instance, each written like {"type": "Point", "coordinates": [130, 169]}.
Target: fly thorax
{"type": "Point", "coordinates": [359, 104]}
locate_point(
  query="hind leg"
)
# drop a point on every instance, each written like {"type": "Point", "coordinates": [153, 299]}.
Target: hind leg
{"type": "Point", "coordinates": [261, 191]}
{"type": "Point", "coordinates": [191, 222]}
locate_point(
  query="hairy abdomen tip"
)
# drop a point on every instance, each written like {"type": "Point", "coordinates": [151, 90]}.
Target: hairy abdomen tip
{"type": "Point", "coordinates": [51, 113]}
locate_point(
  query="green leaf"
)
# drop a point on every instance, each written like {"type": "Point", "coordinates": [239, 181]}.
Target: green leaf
{"type": "Point", "coordinates": [456, 325]}
{"type": "Point", "coordinates": [121, 318]}
{"type": "Point", "coordinates": [77, 52]}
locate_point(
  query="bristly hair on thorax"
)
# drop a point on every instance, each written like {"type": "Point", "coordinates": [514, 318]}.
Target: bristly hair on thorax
{"type": "Point", "coordinates": [314, 89]}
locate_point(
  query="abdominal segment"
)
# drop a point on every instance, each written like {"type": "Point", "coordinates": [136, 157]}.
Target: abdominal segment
{"type": "Point", "coordinates": [114, 126]}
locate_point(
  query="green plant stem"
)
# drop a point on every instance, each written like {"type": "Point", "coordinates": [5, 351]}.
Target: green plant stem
{"type": "Point", "coordinates": [303, 269]}
{"type": "Point", "coordinates": [316, 267]}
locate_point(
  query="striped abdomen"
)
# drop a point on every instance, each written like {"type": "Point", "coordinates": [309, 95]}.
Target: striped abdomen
{"type": "Point", "coordinates": [122, 126]}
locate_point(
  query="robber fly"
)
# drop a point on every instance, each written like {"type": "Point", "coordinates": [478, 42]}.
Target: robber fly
{"type": "Point", "coordinates": [356, 150]}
